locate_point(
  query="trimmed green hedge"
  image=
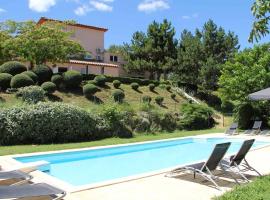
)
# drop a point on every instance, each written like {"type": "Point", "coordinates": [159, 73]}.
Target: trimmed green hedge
{"type": "Point", "coordinates": [135, 86]}
{"type": "Point", "coordinates": [57, 79]}
{"type": "Point", "coordinates": [72, 79]}
{"type": "Point", "coordinates": [32, 75]}
{"type": "Point", "coordinates": [100, 80]}
{"type": "Point", "coordinates": [116, 84]}
{"type": "Point", "coordinates": [43, 72]}
{"type": "Point", "coordinates": [21, 80]}
{"type": "Point", "coordinates": [5, 79]}
{"type": "Point", "coordinates": [118, 96]}
{"type": "Point", "coordinates": [12, 67]}
{"type": "Point", "coordinates": [89, 90]}
{"type": "Point", "coordinates": [48, 87]}
{"type": "Point", "coordinates": [31, 94]}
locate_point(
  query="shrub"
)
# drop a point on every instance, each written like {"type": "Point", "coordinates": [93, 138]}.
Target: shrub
{"type": "Point", "coordinates": [116, 84]}
{"type": "Point", "coordinates": [146, 99]}
{"type": "Point", "coordinates": [5, 79]}
{"type": "Point", "coordinates": [152, 87]}
{"type": "Point", "coordinates": [57, 79]}
{"type": "Point", "coordinates": [72, 79]}
{"type": "Point", "coordinates": [92, 82]}
{"type": "Point", "coordinates": [159, 100]}
{"type": "Point", "coordinates": [89, 90]}
{"type": "Point", "coordinates": [196, 116]}
{"type": "Point", "coordinates": [31, 94]}
{"type": "Point", "coordinates": [32, 75]}
{"type": "Point", "coordinates": [21, 80]}
{"type": "Point", "coordinates": [12, 67]}
{"type": "Point", "coordinates": [46, 123]}
{"type": "Point", "coordinates": [168, 88]}
{"type": "Point", "coordinates": [48, 87]}
{"type": "Point", "coordinates": [43, 72]}
{"type": "Point", "coordinates": [135, 86]}
{"type": "Point", "coordinates": [118, 96]}
{"type": "Point", "coordinates": [100, 80]}
{"type": "Point", "coordinates": [173, 96]}
{"type": "Point", "coordinates": [245, 114]}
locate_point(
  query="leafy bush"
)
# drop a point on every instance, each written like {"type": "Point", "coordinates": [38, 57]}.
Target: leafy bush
{"type": "Point", "coordinates": [57, 79]}
{"type": "Point", "coordinates": [100, 80]}
{"type": "Point", "coordinates": [159, 100]}
{"type": "Point", "coordinates": [72, 79]}
{"type": "Point", "coordinates": [12, 67]}
{"type": "Point", "coordinates": [89, 90]}
{"type": "Point", "coordinates": [152, 87]}
{"type": "Point", "coordinates": [48, 87]}
{"type": "Point", "coordinates": [196, 116]}
{"type": "Point", "coordinates": [168, 88]}
{"type": "Point", "coordinates": [116, 84]}
{"type": "Point", "coordinates": [21, 80]}
{"type": "Point", "coordinates": [5, 79]}
{"type": "Point", "coordinates": [92, 82]}
{"type": "Point", "coordinates": [146, 99]}
{"type": "Point", "coordinates": [135, 86]}
{"type": "Point", "coordinates": [46, 123]}
{"type": "Point", "coordinates": [173, 96]}
{"type": "Point", "coordinates": [43, 72]}
{"type": "Point", "coordinates": [118, 96]}
{"type": "Point", "coordinates": [32, 75]}
{"type": "Point", "coordinates": [31, 94]}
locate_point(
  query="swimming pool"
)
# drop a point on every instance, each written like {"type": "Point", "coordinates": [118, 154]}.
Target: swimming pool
{"type": "Point", "coordinates": [92, 166]}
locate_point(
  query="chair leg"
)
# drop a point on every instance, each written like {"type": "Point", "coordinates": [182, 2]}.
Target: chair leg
{"type": "Point", "coordinates": [251, 168]}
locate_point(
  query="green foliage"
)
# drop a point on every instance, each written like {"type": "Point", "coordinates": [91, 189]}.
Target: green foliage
{"type": "Point", "coordinates": [256, 190]}
{"type": "Point", "coordinates": [116, 84]}
{"type": "Point", "coordinates": [72, 79]}
{"type": "Point", "coordinates": [21, 80]}
{"type": "Point", "coordinates": [57, 79]}
{"type": "Point", "coordinates": [168, 88]}
{"type": "Point", "coordinates": [173, 96]}
{"type": "Point", "coordinates": [152, 87]}
{"type": "Point", "coordinates": [32, 75]}
{"type": "Point", "coordinates": [89, 90]}
{"type": "Point", "coordinates": [5, 79]}
{"type": "Point", "coordinates": [31, 94]}
{"type": "Point", "coordinates": [49, 87]}
{"type": "Point", "coordinates": [146, 99]}
{"type": "Point", "coordinates": [12, 67]}
{"type": "Point", "coordinates": [43, 72]}
{"type": "Point", "coordinates": [100, 80]}
{"type": "Point", "coordinates": [135, 86]}
{"type": "Point", "coordinates": [196, 116]}
{"type": "Point", "coordinates": [159, 100]}
{"type": "Point", "coordinates": [118, 96]}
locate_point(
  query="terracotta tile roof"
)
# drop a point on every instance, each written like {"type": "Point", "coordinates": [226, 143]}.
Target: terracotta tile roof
{"type": "Point", "coordinates": [92, 63]}
{"type": "Point", "coordinates": [44, 19]}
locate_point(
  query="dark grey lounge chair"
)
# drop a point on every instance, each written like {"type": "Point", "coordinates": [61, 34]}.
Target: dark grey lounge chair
{"type": "Point", "coordinates": [205, 168]}
{"type": "Point", "coordinates": [238, 160]}
{"type": "Point", "coordinates": [232, 129]}
{"type": "Point", "coordinates": [28, 191]}
{"type": "Point", "coordinates": [256, 129]}
{"type": "Point", "coordinates": [15, 175]}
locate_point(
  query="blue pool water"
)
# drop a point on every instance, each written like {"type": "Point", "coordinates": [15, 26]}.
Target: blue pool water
{"type": "Point", "coordinates": [92, 166]}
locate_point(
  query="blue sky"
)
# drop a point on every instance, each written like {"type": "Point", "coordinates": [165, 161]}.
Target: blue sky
{"type": "Point", "coordinates": [124, 17]}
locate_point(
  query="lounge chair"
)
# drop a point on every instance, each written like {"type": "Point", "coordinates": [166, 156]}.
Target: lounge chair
{"type": "Point", "coordinates": [238, 160]}
{"type": "Point", "coordinates": [256, 129]}
{"type": "Point", "coordinates": [205, 168]}
{"type": "Point", "coordinates": [26, 167]}
{"type": "Point", "coordinates": [232, 129]}
{"type": "Point", "coordinates": [23, 177]}
{"type": "Point", "coordinates": [28, 191]}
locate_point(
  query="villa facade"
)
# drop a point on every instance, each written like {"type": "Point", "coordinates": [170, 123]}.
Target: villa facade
{"type": "Point", "coordinates": [97, 60]}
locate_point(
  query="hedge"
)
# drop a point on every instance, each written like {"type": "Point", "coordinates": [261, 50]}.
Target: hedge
{"type": "Point", "coordinates": [159, 100]}
{"type": "Point", "coordinates": [31, 94]}
{"type": "Point", "coordinates": [135, 86]}
{"type": "Point", "coordinates": [89, 90]}
{"type": "Point", "coordinates": [100, 80]}
{"type": "Point", "coordinates": [21, 80]}
{"type": "Point", "coordinates": [116, 84]}
{"type": "Point", "coordinates": [57, 79]}
{"type": "Point", "coordinates": [72, 79]}
{"type": "Point", "coordinates": [43, 72]}
{"type": "Point", "coordinates": [12, 67]}
{"type": "Point", "coordinates": [48, 87]}
{"type": "Point", "coordinates": [32, 75]}
{"type": "Point", "coordinates": [118, 95]}
{"type": "Point", "coordinates": [5, 79]}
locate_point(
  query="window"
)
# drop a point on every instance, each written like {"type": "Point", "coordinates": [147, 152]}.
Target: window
{"type": "Point", "coordinates": [113, 58]}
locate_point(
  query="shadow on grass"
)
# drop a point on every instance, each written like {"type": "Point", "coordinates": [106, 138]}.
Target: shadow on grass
{"type": "Point", "coordinates": [95, 99]}
{"type": "Point", "coordinates": [175, 100]}
{"type": "Point", "coordinates": [163, 106]}
{"type": "Point", "coordinates": [2, 100]}
{"type": "Point", "coordinates": [139, 91]}
{"type": "Point", "coordinates": [154, 91]}
{"type": "Point", "coordinates": [54, 98]}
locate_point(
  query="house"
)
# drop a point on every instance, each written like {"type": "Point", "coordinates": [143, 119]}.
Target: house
{"type": "Point", "coordinates": [97, 60]}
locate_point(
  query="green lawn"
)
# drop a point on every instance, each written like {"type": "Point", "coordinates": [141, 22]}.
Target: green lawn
{"type": "Point", "coordinates": [257, 190]}
{"type": "Point", "coordinates": [8, 150]}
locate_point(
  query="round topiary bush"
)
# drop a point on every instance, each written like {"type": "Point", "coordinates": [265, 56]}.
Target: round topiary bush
{"type": "Point", "coordinates": [89, 90]}
{"type": "Point", "coordinates": [12, 67]}
{"type": "Point", "coordinates": [100, 80]}
{"type": "Point", "coordinates": [72, 79]}
{"type": "Point", "coordinates": [48, 87]}
{"type": "Point", "coordinates": [43, 72]}
{"type": "Point", "coordinates": [168, 88]}
{"type": "Point", "coordinates": [5, 79]}
{"type": "Point", "coordinates": [57, 79]}
{"type": "Point", "coordinates": [116, 84]}
{"type": "Point", "coordinates": [159, 100]}
{"type": "Point", "coordinates": [118, 96]}
{"type": "Point", "coordinates": [31, 94]}
{"type": "Point", "coordinates": [135, 86]}
{"type": "Point", "coordinates": [21, 80]}
{"type": "Point", "coordinates": [32, 75]}
{"type": "Point", "coordinates": [152, 87]}
{"type": "Point", "coordinates": [146, 99]}
{"type": "Point", "coordinates": [173, 96]}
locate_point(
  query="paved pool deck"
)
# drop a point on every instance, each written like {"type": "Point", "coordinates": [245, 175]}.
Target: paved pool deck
{"type": "Point", "coordinates": [159, 187]}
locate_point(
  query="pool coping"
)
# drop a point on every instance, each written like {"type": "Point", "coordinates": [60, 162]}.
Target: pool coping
{"type": "Point", "coordinates": [43, 177]}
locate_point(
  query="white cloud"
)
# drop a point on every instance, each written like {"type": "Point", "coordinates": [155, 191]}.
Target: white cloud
{"type": "Point", "coordinates": [41, 5]}
{"type": "Point", "coordinates": [193, 16]}
{"type": "Point", "coordinates": [153, 5]}
{"type": "Point", "coordinates": [82, 10]}
{"type": "Point", "coordinates": [101, 6]}
{"type": "Point", "coordinates": [2, 10]}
